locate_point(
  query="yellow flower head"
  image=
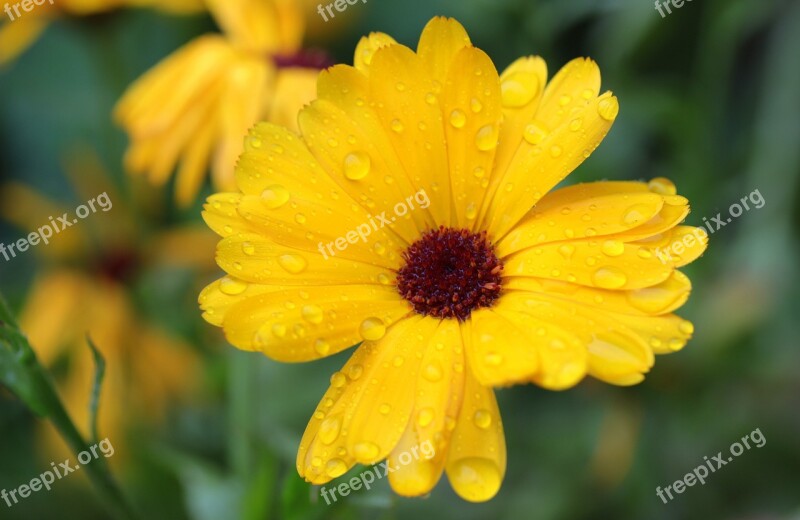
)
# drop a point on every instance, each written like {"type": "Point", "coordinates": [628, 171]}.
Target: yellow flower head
{"type": "Point", "coordinates": [194, 107]}
{"type": "Point", "coordinates": [416, 214]}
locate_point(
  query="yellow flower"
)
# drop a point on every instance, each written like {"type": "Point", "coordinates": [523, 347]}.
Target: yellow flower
{"type": "Point", "coordinates": [22, 28]}
{"type": "Point", "coordinates": [497, 279]}
{"type": "Point", "coordinates": [195, 106]}
{"type": "Point", "coordinates": [83, 290]}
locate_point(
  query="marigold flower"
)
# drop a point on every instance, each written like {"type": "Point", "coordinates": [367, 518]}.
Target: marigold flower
{"type": "Point", "coordinates": [194, 107]}
{"type": "Point", "coordinates": [501, 279]}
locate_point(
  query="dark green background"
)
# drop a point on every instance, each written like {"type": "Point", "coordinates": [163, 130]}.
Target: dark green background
{"type": "Point", "coordinates": [709, 96]}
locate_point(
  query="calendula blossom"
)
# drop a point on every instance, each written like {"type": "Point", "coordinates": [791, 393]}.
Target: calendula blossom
{"type": "Point", "coordinates": [193, 108]}
{"type": "Point", "coordinates": [502, 279]}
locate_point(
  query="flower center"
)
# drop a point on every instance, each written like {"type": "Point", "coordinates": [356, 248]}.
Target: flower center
{"type": "Point", "coordinates": [450, 272]}
{"type": "Point", "coordinates": [304, 58]}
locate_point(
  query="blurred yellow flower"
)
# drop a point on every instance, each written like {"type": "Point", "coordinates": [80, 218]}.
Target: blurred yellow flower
{"type": "Point", "coordinates": [17, 33]}
{"type": "Point", "coordinates": [497, 278]}
{"type": "Point", "coordinates": [84, 289]}
{"type": "Point", "coordinates": [196, 106]}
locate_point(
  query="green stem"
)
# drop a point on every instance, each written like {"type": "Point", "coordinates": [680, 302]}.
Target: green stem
{"type": "Point", "coordinates": [240, 395]}
{"type": "Point", "coordinates": [21, 371]}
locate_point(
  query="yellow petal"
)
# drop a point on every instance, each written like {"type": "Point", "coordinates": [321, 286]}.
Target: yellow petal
{"type": "Point", "coordinates": [441, 40]}
{"type": "Point", "coordinates": [420, 456]}
{"type": "Point", "coordinates": [367, 47]}
{"type": "Point", "coordinates": [346, 427]}
{"type": "Point", "coordinates": [499, 351]}
{"type": "Point", "coordinates": [476, 460]}
{"type": "Point", "coordinates": [472, 111]}
{"type": "Point", "coordinates": [284, 186]}
{"type": "Point", "coordinates": [292, 324]}
{"type": "Point", "coordinates": [567, 128]}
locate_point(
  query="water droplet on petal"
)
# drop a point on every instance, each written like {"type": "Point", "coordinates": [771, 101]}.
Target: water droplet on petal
{"type": "Point", "coordinates": [608, 108]}
{"type": "Point", "coordinates": [686, 327]}
{"type": "Point", "coordinates": [555, 150]}
{"type": "Point", "coordinates": [471, 211]}
{"type": "Point", "coordinates": [458, 119]}
{"type": "Point", "coordinates": [493, 359]}
{"type": "Point", "coordinates": [293, 264]}
{"type": "Point", "coordinates": [662, 186]}
{"type": "Point", "coordinates": [475, 105]}
{"type": "Point", "coordinates": [425, 417]}
{"type": "Point", "coordinates": [232, 286]}
{"type": "Point", "coordinates": [312, 313]}
{"type": "Point", "coordinates": [486, 138]}
{"type": "Point", "coordinates": [338, 380]}
{"type": "Point", "coordinates": [566, 250]}
{"type": "Point", "coordinates": [275, 196]}
{"type": "Point", "coordinates": [279, 330]}
{"type": "Point", "coordinates": [396, 125]}
{"type": "Point", "coordinates": [322, 347]}
{"type": "Point", "coordinates": [613, 248]}
{"type": "Point", "coordinates": [384, 409]}
{"type": "Point", "coordinates": [335, 468]}
{"type": "Point", "coordinates": [356, 165]}
{"type": "Point", "coordinates": [534, 134]}
{"type": "Point", "coordinates": [329, 429]}
{"type": "Point", "coordinates": [609, 278]}
{"type": "Point", "coordinates": [519, 88]}
{"type": "Point", "coordinates": [635, 215]}
{"type": "Point", "coordinates": [482, 419]}
{"type": "Point", "coordinates": [432, 371]}
{"type": "Point", "coordinates": [366, 451]}
{"type": "Point", "coordinates": [372, 329]}
{"type": "Point", "coordinates": [475, 479]}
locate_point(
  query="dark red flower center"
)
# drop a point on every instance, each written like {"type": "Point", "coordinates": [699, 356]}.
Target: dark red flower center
{"type": "Point", "coordinates": [448, 273]}
{"type": "Point", "coordinates": [305, 59]}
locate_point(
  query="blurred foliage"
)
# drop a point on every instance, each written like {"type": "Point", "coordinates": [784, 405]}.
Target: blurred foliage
{"type": "Point", "coordinates": [710, 97]}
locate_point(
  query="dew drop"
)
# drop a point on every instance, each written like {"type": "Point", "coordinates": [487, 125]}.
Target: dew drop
{"type": "Point", "coordinates": [356, 165]}
{"type": "Point", "coordinates": [613, 248]}
{"type": "Point", "coordinates": [279, 330]}
{"type": "Point", "coordinates": [555, 150]}
{"type": "Point", "coordinates": [471, 211]}
{"type": "Point", "coordinates": [475, 105]}
{"type": "Point", "coordinates": [312, 314]}
{"type": "Point", "coordinates": [425, 417]}
{"type": "Point", "coordinates": [475, 479]}
{"type": "Point", "coordinates": [519, 88]}
{"type": "Point", "coordinates": [300, 218]}
{"type": "Point", "coordinates": [458, 119]}
{"type": "Point", "coordinates": [662, 186]}
{"type": "Point", "coordinates": [335, 468]}
{"type": "Point", "coordinates": [432, 372]}
{"type": "Point", "coordinates": [534, 134]}
{"type": "Point", "coordinates": [338, 380]}
{"type": "Point", "coordinates": [566, 250]}
{"type": "Point", "coordinates": [493, 359]}
{"type": "Point", "coordinates": [609, 278]}
{"type": "Point", "coordinates": [482, 419]}
{"type": "Point", "coordinates": [293, 264]}
{"type": "Point", "coordinates": [275, 196]}
{"type": "Point", "coordinates": [396, 125]}
{"type": "Point", "coordinates": [372, 329]}
{"type": "Point", "coordinates": [232, 286]}
{"type": "Point", "coordinates": [322, 347]}
{"type": "Point", "coordinates": [486, 138]}
{"type": "Point", "coordinates": [366, 451]}
{"type": "Point", "coordinates": [608, 108]}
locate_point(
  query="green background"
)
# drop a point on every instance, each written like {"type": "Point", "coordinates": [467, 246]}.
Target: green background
{"type": "Point", "coordinates": [709, 97]}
